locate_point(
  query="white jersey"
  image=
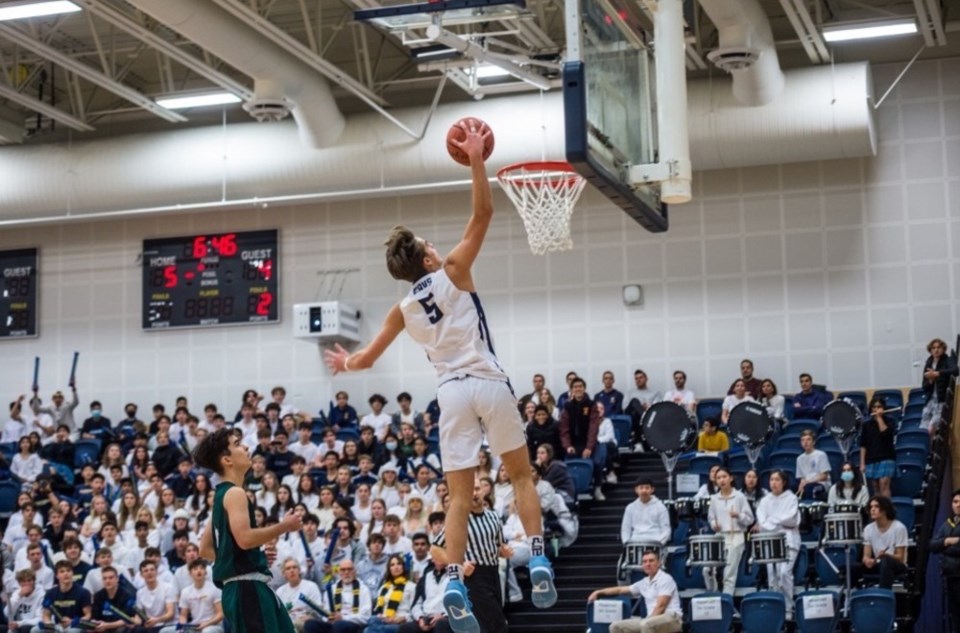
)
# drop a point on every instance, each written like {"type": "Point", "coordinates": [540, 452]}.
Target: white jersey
{"type": "Point", "coordinates": [451, 327]}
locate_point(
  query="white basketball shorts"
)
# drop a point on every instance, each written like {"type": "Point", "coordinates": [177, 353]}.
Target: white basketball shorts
{"type": "Point", "coordinates": [470, 408]}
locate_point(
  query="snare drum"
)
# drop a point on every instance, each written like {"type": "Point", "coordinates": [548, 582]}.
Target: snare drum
{"type": "Point", "coordinates": [633, 552]}
{"type": "Point", "coordinates": [845, 508]}
{"type": "Point", "coordinates": [843, 529]}
{"type": "Point", "coordinates": [705, 550]}
{"type": "Point", "coordinates": [842, 419]}
{"type": "Point", "coordinates": [686, 508]}
{"type": "Point", "coordinates": [749, 424]}
{"type": "Point", "coordinates": [702, 508]}
{"type": "Point", "coordinates": [769, 547]}
{"type": "Point", "coordinates": [669, 428]}
{"type": "Point", "coordinates": [811, 516]}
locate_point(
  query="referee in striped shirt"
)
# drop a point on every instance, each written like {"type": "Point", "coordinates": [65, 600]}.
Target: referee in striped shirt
{"type": "Point", "coordinates": [481, 569]}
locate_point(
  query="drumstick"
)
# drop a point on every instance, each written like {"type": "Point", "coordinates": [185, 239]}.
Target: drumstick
{"type": "Point", "coordinates": [73, 369]}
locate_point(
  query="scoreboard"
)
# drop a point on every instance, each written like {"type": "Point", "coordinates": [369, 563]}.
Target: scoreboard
{"type": "Point", "coordinates": [18, 293]}
{"type": "Point", "coordinates": [211, 279]}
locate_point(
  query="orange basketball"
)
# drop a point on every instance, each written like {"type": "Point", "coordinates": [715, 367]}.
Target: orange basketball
{"type": "Point", "coordinates": [457, 133]}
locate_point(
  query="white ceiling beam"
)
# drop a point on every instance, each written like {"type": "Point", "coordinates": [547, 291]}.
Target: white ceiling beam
{"type": "Point", "coordinates": [89, 73]}
{"type": "Point", "coordinates": [294, 47]}
{"type": "Point", "coordinates": [44, 108]}
{"type": "Point", "coordinates": [802, 23]}
{"type": "Point", "coordinates": [114, 17]}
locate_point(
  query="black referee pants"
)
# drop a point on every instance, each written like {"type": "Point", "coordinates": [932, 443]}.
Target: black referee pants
{"type": "Point", "coordinates": [483, 586]}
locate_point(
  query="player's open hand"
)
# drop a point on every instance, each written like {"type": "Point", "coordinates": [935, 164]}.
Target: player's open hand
{"type": "Point", "coordinates": [336, 358]}
{"type": "Point", "coordinates": [475, 140]}
{"type": "Point", "coordinates": [292, 522]}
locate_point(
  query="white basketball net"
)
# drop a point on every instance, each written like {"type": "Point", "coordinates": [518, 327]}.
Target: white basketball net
{"type": "Point", "coordinates": [544, 194]}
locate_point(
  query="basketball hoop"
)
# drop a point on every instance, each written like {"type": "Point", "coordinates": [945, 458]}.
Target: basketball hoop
{"type": "Point", "coordinates": [544, 193]}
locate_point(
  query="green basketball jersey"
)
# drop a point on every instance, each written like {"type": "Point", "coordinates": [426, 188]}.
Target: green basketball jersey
{"type": "Point", "coordinates": [232, 560]}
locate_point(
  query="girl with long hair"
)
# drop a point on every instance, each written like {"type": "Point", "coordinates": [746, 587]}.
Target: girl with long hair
{"type": "Point", "coordinates": [394, 599]}
{"type": "Point", "coordinates": [284, 503]}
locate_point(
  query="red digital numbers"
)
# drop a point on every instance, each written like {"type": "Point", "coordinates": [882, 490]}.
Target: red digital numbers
{"type": "Point", "coordinates": [263, 306]}
{"type": "Point", "coordinates": [169, 276]}
{"type": "Point", "coordinates": [199, 246]}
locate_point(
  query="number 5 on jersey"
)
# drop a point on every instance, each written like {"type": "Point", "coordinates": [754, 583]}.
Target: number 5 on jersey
{"type": "Point", "coordinates": [431, 308]}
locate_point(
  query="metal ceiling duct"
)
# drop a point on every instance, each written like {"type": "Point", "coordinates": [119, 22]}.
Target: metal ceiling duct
{"type": "Point", "coordinates": [746, 49]}
{"type": "Point", "coordinates": [279, 76]}
{"type": "Point", "coordinates": [824, 113]}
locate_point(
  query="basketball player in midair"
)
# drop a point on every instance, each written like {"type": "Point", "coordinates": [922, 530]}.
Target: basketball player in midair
{"type": "Point", "coordinates": [239, 566]}
{"type": "Point", "coordinates": [442, 313]}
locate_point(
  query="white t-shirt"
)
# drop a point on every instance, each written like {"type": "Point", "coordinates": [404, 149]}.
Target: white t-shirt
{"type": "Point", "coordinates": [380, 423]}
{"type": "Point", "coordinates": [450, 325]}
{"type": "Point", "coordinates": [887, 542]}
{"type": "Point", "coordinates": [731, 401]}
{"type": "Point", "coordinates": [307, 451]}
{"type": "Point", "coordinates": [684, 398]}
{"type": "Point", "coordinates": [290, 597]}
{"type": "Point", "coordinates": [200, 602]}
{"type": "Point", "coordinates": [662, 584]}
{"type": "Point", "coordinates": [154, 601]}
{"type": "Point", "coordinates": [809, 465]}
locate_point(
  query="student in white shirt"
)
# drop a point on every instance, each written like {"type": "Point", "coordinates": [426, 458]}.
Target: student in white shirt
{"type": "Point", "coordinates": [729, 515]}
{"type": "Point", "coordinates": [304, 447]}
{"type": "Point", "coordinates": [779, 511]}
{"type": "Point", "coordinates": [660, 595]}
{"type": "Point", "coordinates": [27, 464]}
{"type": "Point", "coordinates": [849, 490]}
{"type": "Point", "coordinates": [25, 606]}
{"type": "Point", "coordinates": [377, 419]}
{"type": "Point", "coordinates": [739, 395]}
{"type": "Point", "coordinates": [155, 599]}
{"type": "Point", "coordinates": [646, 518]}
{"type": "Point", "coordinates": [200, 603]}
{"type": "Point", "coordinates": [813, 469]}
{"type": "Point", "coordinates": [885, 542]}
{"type": "Point", "coordinates": [348, 600]}
{"type": "Point", "coordinates": [680, 394]}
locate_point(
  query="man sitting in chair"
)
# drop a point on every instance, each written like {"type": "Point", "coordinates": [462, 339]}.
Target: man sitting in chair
{"type": "Point", "coordinates": [660, 595]}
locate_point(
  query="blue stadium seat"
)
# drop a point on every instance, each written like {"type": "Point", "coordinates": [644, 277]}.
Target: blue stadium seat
{"type": "Point", "coordinates": [763, 612]}
{"type": "Point", "coordinates": [739, 464]}
{"type": "Point", "coordinates": [914, 409]}
{"type": "Point", "coordinates": [893, 397]}
{"type": "Point", "coordinates": [788, 443]}
{"type": "Point", "coordinates": [709, 408]}
{"type": "Point", "coordinates": [859, 398]}
{"type": "Point", "coordinates": [701, 464]}
{"type": "Point", "coordinates": [797, 427]}
{"type": "Point", "coordinates": [787, 406]}
{"type": "Point", "coordinates": [348, 434]}
{"type": "Point", "coordinates": [909, 481]}
{"type": "Point", "coordinates": [916, 396]}
{"type": "Point", "coordinates": [685, 577]}
{"type": "Point", "coordinates": [836, 555]}
{"type": "Point", "coordinates": [9, 491]}
{"type": "Point", "coordinates": [747, 575]}
{"type": "Point", "coordinates": [8, 450]}
{"type": "Point", "coordinates": [603, 627]}
{"type": "Point", "coordinates": [912, 455]}
{"type": "Point", "coordinates": [581, 470]}
{"type": "Point", "coordinates": [62, 470]}
{"type": "Point", "coordinates": [802, 566]}
{"type": "Point", "coordinates": [910, 422]}
{"type": "Point", "coordinates": [316, 437]}
{"type": "Point", "coordinates": [817, 625]}
{"type": "Point", "coordinates": [621, 427]}
{"type": "Point", "coordinates": [873, 610]}
{"type": "Point", "coordinates": [783, 460]}
{"type": "Point", "coordinates": [906, 512]}
{"type": "Point", "coordinates": [713, 626]}
{"type": "Point", "coordinates": [914, 437]}
{"type": "Point", "coordinates": [86, 452]}
{"type": "Point", "coordinates": [836, 462]}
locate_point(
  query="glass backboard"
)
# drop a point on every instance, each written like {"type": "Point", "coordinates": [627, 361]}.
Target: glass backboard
{"type": "Point", "coordinates": [609, 107]}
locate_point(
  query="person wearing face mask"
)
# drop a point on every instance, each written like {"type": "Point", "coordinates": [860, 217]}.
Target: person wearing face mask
{"type": "Point", "coordinates": [97, 426]}
{"type": "Point", "coordinates": [849, 489]}
{"type": "Point", "coordinates": [129, 426]}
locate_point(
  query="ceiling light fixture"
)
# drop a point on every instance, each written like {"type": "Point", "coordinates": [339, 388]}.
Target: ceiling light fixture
{"type": "Point", "coordinates": [489, 71]}
{"type": "Point", "coordinates": [33, 9]}
{"type": "Point", "coordinates": [869, 30]}
{"type": "Point", "coordinates": [198, 101]}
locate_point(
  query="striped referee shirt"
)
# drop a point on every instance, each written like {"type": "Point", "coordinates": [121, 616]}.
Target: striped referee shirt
{"type": "Point", "coordinates": [484, 538]}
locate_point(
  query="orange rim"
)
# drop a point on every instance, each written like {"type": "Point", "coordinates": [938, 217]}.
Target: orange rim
{"type": "Point", "coordinates": [507, 173]}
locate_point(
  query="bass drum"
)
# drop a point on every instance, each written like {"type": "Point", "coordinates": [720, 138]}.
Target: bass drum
{"type": "Point", "coordinates": [842, 419]}
{"type": "Point", "coordinates": [750, 424]}
{"type": "Point", "coordinates": [669, 428]}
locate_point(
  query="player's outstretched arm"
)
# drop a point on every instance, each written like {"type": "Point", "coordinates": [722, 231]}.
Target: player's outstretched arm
{"type": "Point", "coordinates": [235, 505]}
{"type": "Point", "coordinates": [460, 260]}
{"type": "Point", "coordinates": [339, 359]}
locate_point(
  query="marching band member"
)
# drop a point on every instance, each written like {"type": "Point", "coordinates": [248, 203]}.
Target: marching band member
{"type": "Point", "coordinates": [729, 515]}
{"type": "Point", "coordinates": [779, 511]}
